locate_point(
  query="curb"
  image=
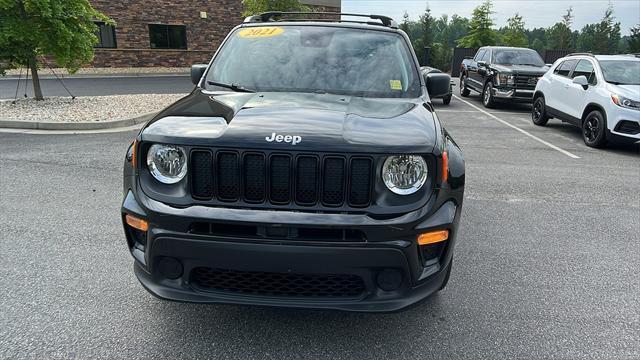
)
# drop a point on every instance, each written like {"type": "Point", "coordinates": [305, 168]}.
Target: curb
{"type": "Point", "coordinates": [97, 125]}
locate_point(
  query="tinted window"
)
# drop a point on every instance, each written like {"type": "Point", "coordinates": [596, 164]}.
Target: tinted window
{"type": "Point", "coordinates": [168, 36]}
{"type": "Point", "coordinates": [318, 59]}
{"type": "Point", "coordinates": [622, 72]}
{"type": "Point", "coordinates": [564, 69]}
{"type": "Point", "coordinates": [585, 68]}
{"type": "Point", "coordinates": [517, 57]}
{"type": "Point", "coordinates": [106, 35]}
{"type": "Point", "coordinates": [480, 54]}
{"type": "Point", "coordinates": [487, 56]}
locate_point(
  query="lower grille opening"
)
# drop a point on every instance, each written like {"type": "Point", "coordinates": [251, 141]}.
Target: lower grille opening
{"type": "Point", "coordinates": [278, 284]}
{"type": "Point", "coordinates": [628, 127]}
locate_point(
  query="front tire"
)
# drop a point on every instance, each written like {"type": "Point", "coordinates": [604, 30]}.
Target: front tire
{"type": "Point", "coordinates": [487, 95]}
{"type": "Point", "coordinates": [594, 129]}
{"type": "Point", "coordinates": [538, 112]}
{"type": "Point", "coordinates": [464, 91]}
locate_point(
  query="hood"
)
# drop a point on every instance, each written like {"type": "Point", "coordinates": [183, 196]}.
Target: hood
{"type": "Point", "coordinates": [295, 121]}
{"type": "Point", "coordinates": [629, 91]}
{"type": "Point", "coordinates": [521, 69]}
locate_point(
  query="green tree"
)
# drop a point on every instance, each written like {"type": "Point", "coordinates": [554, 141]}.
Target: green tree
{"type": "Point", "coordinates": [404, 26]}
{"type": "Point", "coordinates": [481, 30]}
{"type": "Point", "coordinates": [515, 33]}
{"type": "Point", "coordinates": [253, 7]}
{"type": "Point", "coordinates": [586, 38]}
{"type": "Point", "coordinates": [61, 29]}
{"type": "Point", "coordinates": [538, 46]}
{"type": "Point", "coordinates": [559, 35]}
{"type": "Point", "coordinates": [607, 34]}
{"type": "Point", "coordinates": [633, 41]}
{"type": "Point", "coordinates": [427, 31]}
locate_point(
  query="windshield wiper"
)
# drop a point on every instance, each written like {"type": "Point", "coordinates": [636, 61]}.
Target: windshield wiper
{"type": "Point", "coordinates": [530, 65]}
{"type": "Point", "coordinates": [234, 87]}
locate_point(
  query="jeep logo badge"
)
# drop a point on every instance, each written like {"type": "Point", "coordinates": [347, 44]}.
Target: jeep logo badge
{"type": "Point", "coordinates": [293, 139]}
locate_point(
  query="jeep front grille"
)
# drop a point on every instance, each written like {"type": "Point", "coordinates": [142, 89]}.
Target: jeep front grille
{"type": "Point", "coordinates": [281, 179]}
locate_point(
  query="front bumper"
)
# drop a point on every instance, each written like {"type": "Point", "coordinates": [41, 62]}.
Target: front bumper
{"type": "Point", "coordinates": [519, 95]}
{"type": "Point", "coordinates": [390, 246]}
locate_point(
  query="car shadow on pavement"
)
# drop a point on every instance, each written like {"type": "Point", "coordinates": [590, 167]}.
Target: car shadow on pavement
{"type": "Point", "coordinates": [616, 145]}
{"type": "Point", "coordinates": [283, 331]}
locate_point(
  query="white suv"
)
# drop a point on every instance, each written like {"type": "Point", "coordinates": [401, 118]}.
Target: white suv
{"type": "Point", "coordinates": [600, 94]}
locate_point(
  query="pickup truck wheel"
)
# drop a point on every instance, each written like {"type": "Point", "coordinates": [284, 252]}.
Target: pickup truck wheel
{"type": "Point", "coordinates": [464, 91]}
{"type": "Point", "coordinates": [594, 129]}
{"type": "Point", "coordinates": [446, 100]}
{"type": "Point", "coordinates": [538, 112]}
{"type": "Point", "coordinates": [487, 95]}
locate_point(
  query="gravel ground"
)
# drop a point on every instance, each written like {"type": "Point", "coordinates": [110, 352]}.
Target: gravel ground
{"type": "Point", "coordinates": [89, 108]}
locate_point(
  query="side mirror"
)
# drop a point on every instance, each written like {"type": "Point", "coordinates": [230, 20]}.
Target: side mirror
{"type": "Point", "coordinates": [438, 84]}
{"type": "Point", "coordinates": [582, 81]}
{"type": "Point", "coordinates": [481, 63]}
{"type": "Point", "coordinates": [196, 72]}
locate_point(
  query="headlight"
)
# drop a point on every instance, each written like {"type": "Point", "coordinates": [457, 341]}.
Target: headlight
{"type": "Point", "coordinates": [504, 79]}
{"type": "Point", "coordinates": [625, 102]}
{"type": "Point", "coordinates": [404, 174]}
{"type": "Point", "coordinates": [167, 163]}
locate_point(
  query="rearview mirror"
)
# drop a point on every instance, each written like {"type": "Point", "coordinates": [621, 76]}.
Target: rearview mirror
{"type": "Point", "coordinates": [197, 71]}
{"type": "Point", "coordinates": [582, 81]}
{"type": "Point", "coordinates": [438, 84]}
{"type": "Point", "coordinates": [481, 63]}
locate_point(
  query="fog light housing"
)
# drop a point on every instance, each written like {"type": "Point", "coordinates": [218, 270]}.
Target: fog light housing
{"type": "Point", "coordinates": [169, 267]}
{"type": "Point", "coordinates": [389, 279]}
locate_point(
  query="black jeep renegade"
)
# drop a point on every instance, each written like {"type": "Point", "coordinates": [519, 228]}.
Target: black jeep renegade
{"type": "Point", "coordinates": [306, 169]}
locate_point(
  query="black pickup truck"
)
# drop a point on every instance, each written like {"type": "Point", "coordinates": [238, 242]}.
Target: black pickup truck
{"type": "Point", "coordinates": [502, 73]}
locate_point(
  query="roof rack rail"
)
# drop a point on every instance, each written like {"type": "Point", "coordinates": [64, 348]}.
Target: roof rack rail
{"type": "Point", "coordinates": [272, 15]}
{"type": "Point", "coordinates": [581, 54]}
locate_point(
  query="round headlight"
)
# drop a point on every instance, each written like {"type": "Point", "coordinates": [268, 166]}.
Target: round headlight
{"type": "Point", "coordinates": [404, 174]}
{"type": "Point", "coordinates": [167, 163]}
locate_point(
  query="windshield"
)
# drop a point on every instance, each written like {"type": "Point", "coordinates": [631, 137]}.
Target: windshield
{"type": "Point", "coordinates": [317, 59]}
{"type": "Point", "coordinates": [518, 57]}
{"type": "Point", "coordinates": [621, 72]}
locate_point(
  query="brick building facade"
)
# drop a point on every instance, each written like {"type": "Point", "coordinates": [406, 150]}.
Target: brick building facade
{"type": "Point", "coordinates": [171, 34]}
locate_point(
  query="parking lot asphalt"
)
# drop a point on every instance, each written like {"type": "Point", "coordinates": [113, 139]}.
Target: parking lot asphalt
{"type": "Point", "coordinates": [546, 265]}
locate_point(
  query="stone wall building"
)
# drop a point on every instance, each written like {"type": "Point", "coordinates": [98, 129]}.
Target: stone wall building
{"type": "Point", "coordinates": [171, 34]}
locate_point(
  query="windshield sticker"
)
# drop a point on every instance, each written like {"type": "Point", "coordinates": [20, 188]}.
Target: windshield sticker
{"type": "Point", "coordinates": [260, 32]}
{"type": "Point", "coordinates": [395, 84]}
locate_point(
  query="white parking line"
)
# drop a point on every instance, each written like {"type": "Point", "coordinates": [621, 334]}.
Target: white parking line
{"type": "Point", "coordinates": [573, 156]}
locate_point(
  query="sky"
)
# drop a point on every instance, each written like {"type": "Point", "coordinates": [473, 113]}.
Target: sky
{"type": "Point", "coordinates": [536, 13]}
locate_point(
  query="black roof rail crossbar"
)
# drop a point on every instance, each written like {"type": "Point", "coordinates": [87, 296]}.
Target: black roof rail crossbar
{"type": "Point", "coordinates": [581, 54]}
{"type": "Point", "coordinates": [268, 16]}
{"type": "Point", "coordinates": [329, 20]}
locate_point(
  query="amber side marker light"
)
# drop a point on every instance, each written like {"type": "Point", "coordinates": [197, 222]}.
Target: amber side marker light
{"type": "Point", "coordinates": [433, 237]}
{"type": "Point", "coordinates": [133, 152]}
{"type": "Point", "coordinates": [136, 223]}
{"type": "Point", "coordinates": [445, 167]}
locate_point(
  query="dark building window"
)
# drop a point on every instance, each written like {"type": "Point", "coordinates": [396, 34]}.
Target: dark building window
{"type": "Point", "coordinates": [106, 35]}
{"type": "Point", "coordinates": [168, 36]}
